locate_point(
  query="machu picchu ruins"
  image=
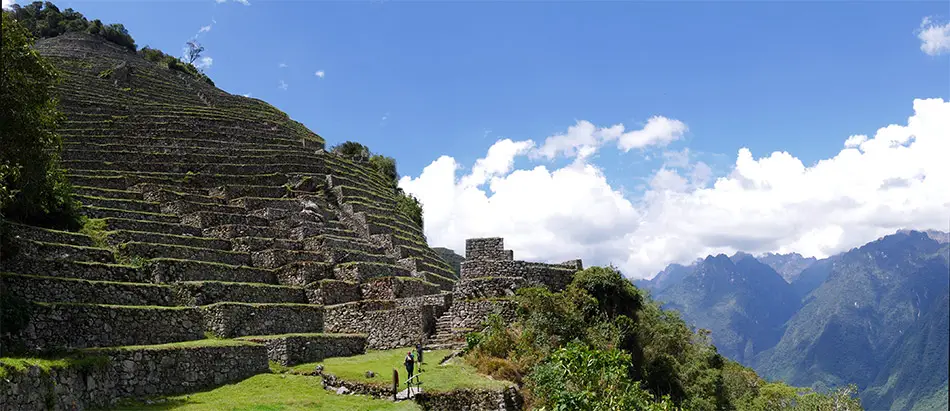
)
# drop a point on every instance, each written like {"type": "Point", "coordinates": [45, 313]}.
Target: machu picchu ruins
{"type": "Point", "coordinates": [222, 236]}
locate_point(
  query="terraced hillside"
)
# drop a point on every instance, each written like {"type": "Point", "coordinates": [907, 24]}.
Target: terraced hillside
{"type": "Point", "coordinates": [216, 216]}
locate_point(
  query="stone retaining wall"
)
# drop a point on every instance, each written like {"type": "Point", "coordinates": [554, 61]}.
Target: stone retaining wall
{"type": "Point", "coordinates": [389, 288]}
{"type": "Point", "coordinates": [471, 400]}
{"type": "Point", "coordinates": [329, 292]}
{"type": "Point", "coordinates": [80, 326]}
{"type": "Point", "coordinates": [554, 276]}
{"type": "Point", "coordinates": [471, 313]}
{"type": "Point", "coordinates": [229, 320]}
{"type": "Point", "coordinates": [488, 287]}
{"type": "Point", "coordinates": [129, 373]}
{"type": "Point", "coordinates": [492, 248]}
{"type": "Point", "coordinates": [385, 329]}
{"type": "Point", "coordinates": [301, 349]}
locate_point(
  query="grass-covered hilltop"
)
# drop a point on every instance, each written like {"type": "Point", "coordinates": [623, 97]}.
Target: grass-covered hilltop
{"type": "Point", "coordinates": [168, 245]}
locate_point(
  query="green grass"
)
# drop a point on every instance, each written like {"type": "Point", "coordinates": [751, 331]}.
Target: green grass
{"type": "Point", "coordinates": [436, 378]}
{"type": "Point", "coordinates": [273, 392]}
{"type": "Point", "coordinates": [17, 365]}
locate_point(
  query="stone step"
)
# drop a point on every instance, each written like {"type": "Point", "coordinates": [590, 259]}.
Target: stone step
{"type": "Point", "coordinates": [155, 193]}
{"type": "Point", "coordinates": [103, 212]}
{"type": "Point", "coordinates": [87, 270]}
{"type": "Point", "coordinates": [229, 231]}
{"type": "Point", "coordinates": [150, 226]}
{"type": "Point", "coordinates": [325, 242]}
{"type": "Point", "coordinates": [231, 192]}
{"type": "Point", "coordinates": [275, 258]}
{"type": "Point", "coordinates": [446, 284]}
{"type": "Point", "coordinates": [54, 326]}
{"type": "Point", "coordinates": [330, 292]}
{"type": "Point", "coordinates": [234, 167]}
{"type": "Point", "coordinates": [119, 204]}
{"type": "Point", "coordinates": [206, 219]}
{"type": "Point", "coordinates": [107, 193]}
{"type": "Point", "coordinates": [252, 244]}
{"type": "Point", "coordinates": [229, 320]}
{"type": "Point", "coordinates": [390, 288]}
{"type": "Point", "coordinates": [27, 232]}
{"type": "Point", "coordinates": [47, 289]}
{"type": "Point", "coordinates": [302, 273]}
{"type": "Point", "coordinates": [183, 207]}
{"type": "Point", "coordinates": [168, 270]}
{"type": "Point", "coordinates": [150, 250]}
{"type": "Point", "coordinates": [293, 349]}
{"type": "Point", "coordinates": [125, 236]}
{"type": "Point", "coordinates": [210, 292]}
{"type": "Point", "coordinates": [361, 271]}
{"type": "Point", "coordinates": [97, 181]}
{"type": "Point", "coordinates": [39, 250]}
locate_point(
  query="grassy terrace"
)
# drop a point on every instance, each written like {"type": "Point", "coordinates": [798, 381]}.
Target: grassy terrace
{"type": "Point", "coordinates": [267, 392]}
{"type": "Point", "coordinates": [435, 378]}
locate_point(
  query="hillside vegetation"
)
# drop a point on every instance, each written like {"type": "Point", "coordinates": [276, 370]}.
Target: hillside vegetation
{"type": "Point", "coordinates": [605, 344]}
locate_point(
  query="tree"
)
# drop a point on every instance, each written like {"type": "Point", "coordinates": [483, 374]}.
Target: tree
{"type": "Point", "coordinates": [193, 51]}
{"type": "Point", "coordinates": [351, 149]}
{"type": "Point", "coordinates": [34, 186]}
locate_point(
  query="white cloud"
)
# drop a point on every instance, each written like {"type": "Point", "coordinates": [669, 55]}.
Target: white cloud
{"type": "Point", "coordinates": [875, 185]}
{"type": "Point", "coordinates": [282, 85]}
{"type": "Point", "coordinates": [204, 63]}
{"type": "Point", "coordinates": [934, 38]}
{"type": "Point", "coordinates": [246, 95]}
{"type": "Point", "coordinates": [320, 73]}
{"type": "Point", "coordinates": [282, 65]}
{"type": "Point", "coordinates": [204, 29]}
{"type": "Point", "coordinates": [584, 138]}
{"type": "Point", "coordinates": [244, 2]}
{"type": "Point", "coordinates": [7, 3]}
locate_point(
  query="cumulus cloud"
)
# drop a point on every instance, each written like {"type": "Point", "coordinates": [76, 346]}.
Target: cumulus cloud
{"type": "Point", "coordinates": [934, 38]}
{"type": "Point", "coordinates": [7, 3]}
{"type": "Point", "coordinates": [584, 138]}
{"type": "Point", "coordinates": [204, 63]}
{"type": "Point", "coordinates": [875, 185]}
{"type": "Point", "coordinates": [320, 73]}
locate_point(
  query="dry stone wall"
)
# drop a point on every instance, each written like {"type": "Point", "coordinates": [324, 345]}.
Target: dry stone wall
{"type": "Point", "coordinates": [469, 314]}
{"type": "Point", "coordinates": [472, 400]}
{"type": "Point", "coordinates": [81, 326]}
{"type": "Point", "coordinates": [129, 373]}
{"type": "Point", "coordinates": [231, 320]}
{"type": "Point", "coordinates": [306, 348]}
{"type": "Point", "coordinates": [385, 325]}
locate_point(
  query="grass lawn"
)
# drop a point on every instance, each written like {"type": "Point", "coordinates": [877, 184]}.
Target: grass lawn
{"type": "Point", "coordinates": [273, 392]}
{"type": "Point", "coordinates": [436, 378]}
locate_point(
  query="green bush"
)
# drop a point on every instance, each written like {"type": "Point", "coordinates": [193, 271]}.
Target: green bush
{"type": "Point", "coordinates": [603, 344]}
{"type": "Point", "coordinates": [34, 187]}
{"type": "Point", "coordinates": [44, 19]}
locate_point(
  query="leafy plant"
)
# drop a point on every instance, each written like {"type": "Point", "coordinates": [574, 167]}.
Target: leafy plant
{"type": "Point", "coordinates": [35, 189]}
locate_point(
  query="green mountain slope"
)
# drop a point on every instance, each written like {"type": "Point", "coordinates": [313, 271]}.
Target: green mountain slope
{"type": "Point", "coordinates": [744, 303]}
{"type": "Point", "coordinates": [902, 383]}
{"type": "Point", "coordinates": [867, 310]}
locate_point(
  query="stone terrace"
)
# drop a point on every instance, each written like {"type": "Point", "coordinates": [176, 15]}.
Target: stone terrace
{"type": "Point", "coordinates": [213, 216]}
{"type": "Point", "coordinates": [490, 277]}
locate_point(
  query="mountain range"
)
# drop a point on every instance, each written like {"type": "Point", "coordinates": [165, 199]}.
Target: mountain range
{"type": "Point", "coordinates": [876, 316]}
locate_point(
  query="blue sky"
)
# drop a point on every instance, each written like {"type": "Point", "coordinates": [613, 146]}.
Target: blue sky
{"type": "Point", "coordinates": [421, 80]}
{"type": "Point", "coordinates": [768, 76]}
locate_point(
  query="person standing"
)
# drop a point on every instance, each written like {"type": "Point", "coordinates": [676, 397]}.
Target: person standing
{"type": "Point", "coordinates": [409, 362]}
{"type": "Point", "coordinates": [419, 355]}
